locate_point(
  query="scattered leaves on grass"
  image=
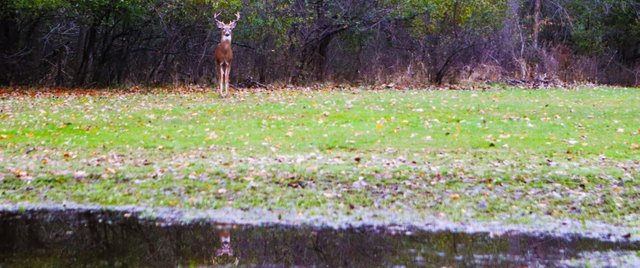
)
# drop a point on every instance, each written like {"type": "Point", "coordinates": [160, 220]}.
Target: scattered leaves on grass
{"type": "Point", "coordinates": [362, 149]}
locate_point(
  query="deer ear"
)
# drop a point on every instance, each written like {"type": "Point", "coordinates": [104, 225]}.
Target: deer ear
{"type": "Point", "coordinates": [220, 25]}
{"type": "Point", "coordinates": [232, 25]}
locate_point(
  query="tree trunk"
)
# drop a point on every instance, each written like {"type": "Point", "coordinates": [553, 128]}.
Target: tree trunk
{"type": "Point", "coordinates": [536, 23]}
{"type": "Point", "coordinates": [322, 57]}
{"type": "Point", "coordinates": [87, 46]}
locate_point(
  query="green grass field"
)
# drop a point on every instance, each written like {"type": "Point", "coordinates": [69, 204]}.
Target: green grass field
{"type": "Point", "coordinates": [462, 155]}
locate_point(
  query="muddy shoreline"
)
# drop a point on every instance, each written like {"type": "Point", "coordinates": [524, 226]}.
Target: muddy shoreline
{"type": "Point", "coordinates": [93, 236]}
{"type": "Point", "coordinates": [372, 220]}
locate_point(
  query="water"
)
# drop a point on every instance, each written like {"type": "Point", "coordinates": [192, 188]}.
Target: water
{"type": "Point", "coordinates": [94, 238]}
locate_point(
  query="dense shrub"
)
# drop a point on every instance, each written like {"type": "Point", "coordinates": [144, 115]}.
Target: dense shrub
{"type": "Point", "coordinates": [106, 42]}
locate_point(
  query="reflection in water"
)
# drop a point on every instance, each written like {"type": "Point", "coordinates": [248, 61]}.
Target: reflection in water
{"type": "Point", "coordinates": [107, 239]}
{"type": "Point", "coordinates": [224, 255]}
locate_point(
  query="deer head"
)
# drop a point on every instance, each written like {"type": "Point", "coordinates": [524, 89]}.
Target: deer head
{"type": "Point", "coordinates": [226, 28]}
{"type": "Point", "coordinates": [225, 255]}
{"type": "Point", "coordinates": [225, 241]}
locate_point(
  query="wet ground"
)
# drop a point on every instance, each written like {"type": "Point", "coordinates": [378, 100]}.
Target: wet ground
{"type": "Point", "coordinates": [101, 238]}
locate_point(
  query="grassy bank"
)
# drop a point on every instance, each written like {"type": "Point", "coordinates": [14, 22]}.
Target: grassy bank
{"type": "Point", "coordinates": [462, 155]}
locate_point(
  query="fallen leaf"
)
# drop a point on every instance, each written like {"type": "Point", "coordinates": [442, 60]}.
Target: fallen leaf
{"type": "Point", "coordinates": [360, 183]}
{"type": "Point", "coordinates": [79, 175]}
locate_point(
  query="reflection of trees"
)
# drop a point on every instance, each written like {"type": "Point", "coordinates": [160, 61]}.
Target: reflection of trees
{"type": "Point", "coordinates": [110, 239]}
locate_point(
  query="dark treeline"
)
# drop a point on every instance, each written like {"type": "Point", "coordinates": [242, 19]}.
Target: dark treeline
{"type": "Point", "coordinates": [156, 42]}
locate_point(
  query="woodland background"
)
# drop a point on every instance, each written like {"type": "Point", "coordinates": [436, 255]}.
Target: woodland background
{"type": "Point", "coordinates": [91, 43]}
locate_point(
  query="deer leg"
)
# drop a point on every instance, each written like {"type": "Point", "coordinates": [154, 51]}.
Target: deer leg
{"type": "Point", "coordinates": [220, 80]}
{"type": "Point", "coordinates": [224, 81]}
{"type": "Point", "coordinates": [226, 78]}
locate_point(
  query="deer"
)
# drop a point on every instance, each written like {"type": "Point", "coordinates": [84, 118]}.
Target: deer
{"type": "Point", "coordinates": [223, 54]}
{"type": "Point", "coordinates": [225, 254]}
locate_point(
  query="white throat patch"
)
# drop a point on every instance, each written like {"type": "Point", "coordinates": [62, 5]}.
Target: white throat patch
{"type": "Point", "coordinates": [226, 38]}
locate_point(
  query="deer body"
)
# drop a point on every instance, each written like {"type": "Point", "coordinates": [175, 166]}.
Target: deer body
{"type": "Point", "coordinates": [223, 57]}
{"type": "Point", "coordinates": [224, 54]}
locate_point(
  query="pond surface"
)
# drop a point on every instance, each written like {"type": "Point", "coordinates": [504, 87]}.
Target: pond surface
{"type": "Point", "coordinates": [97, 238]}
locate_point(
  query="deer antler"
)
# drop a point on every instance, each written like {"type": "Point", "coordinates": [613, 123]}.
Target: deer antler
{"type": "Point", "coordinates": [233, 23]}
{"type": "Point", "coordinates": [215, 17]}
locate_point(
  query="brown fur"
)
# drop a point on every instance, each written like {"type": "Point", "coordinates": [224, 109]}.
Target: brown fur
{"type": "Point", "coordinates": [223, 54]}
